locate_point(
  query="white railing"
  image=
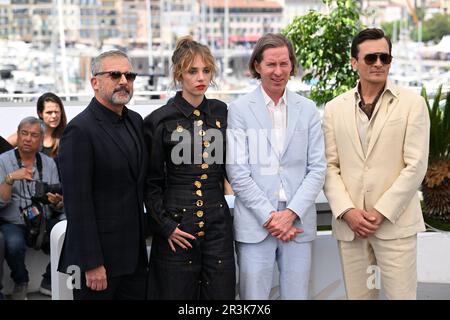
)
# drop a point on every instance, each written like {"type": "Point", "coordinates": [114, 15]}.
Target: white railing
{"type": "Point", "coordinates": [137, 96]}
{"type": "Point", "coordinates": [15, 107]}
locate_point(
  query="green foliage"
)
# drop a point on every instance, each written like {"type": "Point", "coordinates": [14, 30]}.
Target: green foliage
{"type": "Point", "coordinates": [437, 224]}
{"type": "Point", "coordinates": [388, 28]}
{"type": "Point", "coordinates": [439, 113]}
{"type": "Point", "coordinates": [420, 12]}
{"type": "Point", "coordinates": [322, 47]}
{"type": "Point", "coordinates": [425, 35]}
{"type": "Point", "coordinates": [434, 28]}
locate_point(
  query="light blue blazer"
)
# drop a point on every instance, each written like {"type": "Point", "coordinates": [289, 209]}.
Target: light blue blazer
{"type": "Point", "coordinates": [256, 171]}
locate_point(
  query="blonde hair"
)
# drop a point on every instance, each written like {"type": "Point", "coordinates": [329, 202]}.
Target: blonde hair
{"type": "Point", "coordinates": [184, 55]}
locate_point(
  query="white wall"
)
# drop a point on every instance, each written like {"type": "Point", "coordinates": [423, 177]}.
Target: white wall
{"type": "Point", "coordinates": [10, 116]}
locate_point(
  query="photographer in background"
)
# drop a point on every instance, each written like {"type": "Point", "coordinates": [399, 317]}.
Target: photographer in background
{"type": "Point", "coordinates": [25, 176]}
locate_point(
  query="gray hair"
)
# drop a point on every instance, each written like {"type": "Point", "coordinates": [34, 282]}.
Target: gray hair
{"type": "Point", "coordinates": [96, 63]}
{"type": "Point", "coordinates": [32, 120]}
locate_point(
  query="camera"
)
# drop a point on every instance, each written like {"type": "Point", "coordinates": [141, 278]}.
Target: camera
{"type": "Point", "coordinates": [41, 190]}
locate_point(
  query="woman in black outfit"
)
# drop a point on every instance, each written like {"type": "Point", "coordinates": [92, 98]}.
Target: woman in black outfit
{"type": "Point", "coordinates": [192, 254]}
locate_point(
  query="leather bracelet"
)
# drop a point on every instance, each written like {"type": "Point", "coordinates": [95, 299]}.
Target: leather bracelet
{"type": "Point", "coordinates": [9, 179]}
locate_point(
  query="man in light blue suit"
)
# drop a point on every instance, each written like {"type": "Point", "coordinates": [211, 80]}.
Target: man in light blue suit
{"type": "Point", "coordinates": [276, 166]}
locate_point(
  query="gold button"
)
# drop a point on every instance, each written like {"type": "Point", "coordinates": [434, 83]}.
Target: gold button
{"type": "Point", "coordinates": [202, 132]}
{"type": "Point", "coordinates": [201, 224]}
{"type": "Point", "coordinates": [206, 143]}
{"type": "Point", "coordinates": [199, 213]}
{"type": "Point", "coordinates": [218, 123]}
{"type": "Point", "coordinates": [179, 128]}
{"type": "Point", "coordinates": [199, 203]}
{"type": "Point", "coordinates": [197, 113]}
{"type": "Point", "coordinates": [205, 155]}
{"type": "Point", "coordinates": [198, 184]}
{"type": "Point", "coordinates": [199, 123]}
{"type": "Point", "coordinates": [199, 193]}
{"type": "Point", "coordinates": [204, 176]}
{"type": "Point", "coordinates": [205, 166]}
{"type": "Point", "coordinates": [200, 234]}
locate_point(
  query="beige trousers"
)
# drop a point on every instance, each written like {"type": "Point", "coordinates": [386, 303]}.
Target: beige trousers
{"type": "Point", "coordinates": [370, 263]}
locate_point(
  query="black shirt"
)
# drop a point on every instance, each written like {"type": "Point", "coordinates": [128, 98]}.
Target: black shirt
{"type": "Point", "coordinates": [124, 132]}
{"type": "Point", "coordinates": [368, 108]}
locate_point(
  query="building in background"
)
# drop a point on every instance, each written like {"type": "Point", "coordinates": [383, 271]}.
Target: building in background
{"type": "Point", "coordinates": [229, 27]}
{"type": "Point", "coordinates": [125, 22]}
{"type": "Point", "coordinates": [293, 8]}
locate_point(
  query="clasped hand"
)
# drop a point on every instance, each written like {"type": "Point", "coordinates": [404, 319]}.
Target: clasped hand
{"type": "Point", "coordinates": [363, 223]}
{"type": "Point", "coordinates": [281, 225]}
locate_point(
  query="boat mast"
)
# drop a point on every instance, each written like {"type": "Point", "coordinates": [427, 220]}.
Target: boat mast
{"type": "Point", "coordinates": [62, 43]}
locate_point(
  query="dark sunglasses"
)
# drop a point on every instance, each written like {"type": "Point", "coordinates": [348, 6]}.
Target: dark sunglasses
{"type": "Point", "coordinates": [116, 75]}
{"type": "Point", "coordinates": [371, 58]}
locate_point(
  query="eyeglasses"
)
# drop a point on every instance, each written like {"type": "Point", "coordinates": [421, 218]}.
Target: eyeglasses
{"type": "Point", "coordinates": [116, 75]}
{"type": "Point", "coordinates": [371, 58]}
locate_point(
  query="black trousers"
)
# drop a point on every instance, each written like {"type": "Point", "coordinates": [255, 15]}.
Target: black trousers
{"type": "Point", "coordinates": [126, 287]}
{"type": "Point", "coordinates": [205, 272]}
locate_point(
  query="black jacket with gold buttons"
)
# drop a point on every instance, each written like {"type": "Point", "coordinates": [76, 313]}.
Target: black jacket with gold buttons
{"type": "Point", "coordinates": [186, 152]}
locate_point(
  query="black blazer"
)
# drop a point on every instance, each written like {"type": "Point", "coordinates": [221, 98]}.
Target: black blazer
{"type": "Point", "coordinates": [103, 195]}
{"type": "Point", "coordinates": [4, 145]}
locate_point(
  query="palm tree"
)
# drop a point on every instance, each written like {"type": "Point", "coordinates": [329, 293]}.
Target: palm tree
{"type": "Point", "coordinates": [436, 184]}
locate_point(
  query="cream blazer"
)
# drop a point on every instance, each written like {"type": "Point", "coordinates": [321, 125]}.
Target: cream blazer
{"type": "Point", "coordinates": [389, 176]}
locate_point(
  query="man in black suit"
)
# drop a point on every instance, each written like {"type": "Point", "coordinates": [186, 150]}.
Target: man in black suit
{"type": "Point", "coordinates": [102, 160]}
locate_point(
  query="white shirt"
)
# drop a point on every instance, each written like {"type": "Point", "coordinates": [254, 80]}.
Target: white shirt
{"type": "Point", "coordinates": [278, 115]}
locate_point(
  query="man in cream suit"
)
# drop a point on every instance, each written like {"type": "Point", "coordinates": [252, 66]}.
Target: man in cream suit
{"type": "Point", "coordinates": [376, 138]}
{"type": "Point", "coordinates": [276, 166]}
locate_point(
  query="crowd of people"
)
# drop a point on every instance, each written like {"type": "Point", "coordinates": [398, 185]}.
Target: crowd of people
{"type": "Point", "coordinates": [125, 178]}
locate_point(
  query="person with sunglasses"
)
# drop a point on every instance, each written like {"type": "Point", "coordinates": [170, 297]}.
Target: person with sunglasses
{"type": "Point", "coordinates": [103, 161]}
{"type": "Point", "coordinates": [376, 138]}
{"type": "Point", "coordinates": [192, 254]}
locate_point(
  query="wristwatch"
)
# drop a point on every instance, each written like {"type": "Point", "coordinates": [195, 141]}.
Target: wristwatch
{"type": "Point", "coordinates": [9, 179]}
